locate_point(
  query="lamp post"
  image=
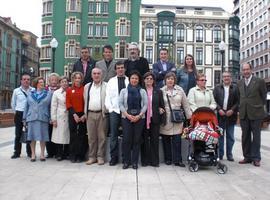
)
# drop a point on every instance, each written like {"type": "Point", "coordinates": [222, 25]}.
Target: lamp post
{"type": "Point", "coordinates": [54, 45]}
{"type": "Point", "coordinates": [222, 47]}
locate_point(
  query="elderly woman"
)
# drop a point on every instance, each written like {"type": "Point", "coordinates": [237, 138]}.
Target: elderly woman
{"type": "Point", "coordinates": [200, 96]}
{"type": "Point", "coordinates": [155, 115]}
{"type": "Point", "coordinates": [59, 117]}
{"type": "Point", "coordinates": [175, 96]}
{"type": "Point", "coordinates": [133, 105]}
{"type": "Point", "coordinates": [186, 76]}
{"type": "Point", "coordinates": [77, 125]}
{"type": "Point", "coordinates": [37, 117]}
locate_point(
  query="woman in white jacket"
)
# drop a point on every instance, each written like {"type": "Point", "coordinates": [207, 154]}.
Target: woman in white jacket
{"type": "Point", "coordinates": [59, 117]}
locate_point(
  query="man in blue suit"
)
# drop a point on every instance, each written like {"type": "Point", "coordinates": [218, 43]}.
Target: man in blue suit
{"type": "Point", "coordinates": [162, 67]}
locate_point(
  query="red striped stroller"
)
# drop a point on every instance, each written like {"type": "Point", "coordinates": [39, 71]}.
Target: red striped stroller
{"type": "Point", "coordinates": [203, 134]}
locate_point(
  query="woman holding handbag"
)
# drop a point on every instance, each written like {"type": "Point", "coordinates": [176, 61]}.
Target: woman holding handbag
{"type": "Point", "coordinates": [175, 103]}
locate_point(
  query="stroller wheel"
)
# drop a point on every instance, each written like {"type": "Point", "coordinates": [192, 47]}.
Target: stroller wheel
{"type": "Point", "coordinates": [193, 167]}
{"type": "Point", "coordinates": [221, 168]}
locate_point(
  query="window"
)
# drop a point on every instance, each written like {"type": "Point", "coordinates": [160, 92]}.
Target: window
{"type": "Point", "coordinates": [149, 54]}
{"type": "Point", "coordinates": [149, 32]}
{"type": "Point", "coordinates": [165, 30]}
{"type": "Point", "coordinates": [199, 33]}
{"type": "Point", "coordinates": [104, 30]}
{"type": "Point", "coordinates": [217, 57]}
{"type": "Point", "coordinates": [217, 34]}
{"type": "Point", "coordinates": [91, 7]}
{"type": "Point", "coordinates": [47, 8]}
{"type": "Point", "coordinates": [73, 5]}
{"type": "Point", "coordinates": [122, 27]}
{"type": "Point", "coordinates": [105, 8]}
{"type": "Point", "coordinates": [217, 77]}
{"type": "Point", "coordinates": [180, 33]}
{"type": "Point", "coordinates": [123, 6]}
{"type": "Point", "coordinates": [98, 30]}
{"type": "Point", "coordinates": [122, 51]}
{"type": "Point", "coordinates": [73, 26]}
{"type": "Point", "coordinates": [98, 7]}
{"type": "Point", "coordinates": [47, 30]}
{"type": "Point", "coordinates": [72, 49]}
{"type": "Point", "coordinates": [90, 30]}
{"type": "Point", "coordinates": [45, 52]}
{"type": "Point", "coordinates": [266, 59]}
{"type": "Point", "coordinates": [180, 55]}
{"type": "Point", "coordinates": [199, 56]}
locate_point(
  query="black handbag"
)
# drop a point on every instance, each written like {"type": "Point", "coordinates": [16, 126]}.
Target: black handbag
{"type": "Point", "coordinates": [23, 138]}
{"type": "Point", "coordinates": [177, 115]}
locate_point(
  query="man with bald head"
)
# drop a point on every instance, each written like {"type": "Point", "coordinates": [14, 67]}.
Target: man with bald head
{"type": "Point", "coordinates": [251, 112]}
{"type": "Point", "coordinates": [95, 111]}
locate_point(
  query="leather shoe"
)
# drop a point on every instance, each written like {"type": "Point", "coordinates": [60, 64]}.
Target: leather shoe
{"type": "Point", "coordinates": [113, 162]}
{"type": "Point", "coordinates": [125, 166]}
{"type": "Point", "coordinates": [14, 156]}
{"type": "Point", "coordinates": [144, 165]}
{"type": "Point", "coordinates": [42, 159]}
{"type": "Point", "coordinates": [256, 163]}
{"type": "Point", "coordinates": [135, 166]}
{"type": "Point", "coordinates": [168, 162]}
{"type": "Point", "coordinates": [180, 164]}
{"type": "Point", "coordinates": [230, 159]}
{"type": "Point", "coordinates": [244, 161]}
{"type": "Point", "coordinates": [220, 157]}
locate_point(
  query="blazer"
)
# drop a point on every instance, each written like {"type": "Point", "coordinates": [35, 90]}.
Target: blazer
{"type": "Point", "coordinates": [87, 97]}
{"type": "Point", "coordinates": [232, 104]}
{"type": "Point", "coordinates": [78, 67]}
{"type": "Point", "coordinates": [123, 101]}
{"type": "Point", "coordinates": [107, 72]}
{"type": "Point", "coordinates": [112, 95]}
{"type": "Point", "coordinates": [141, 65]}
{"type": "Point", "coordinates": [35, 111]}
{"type": "Point", "coordinates": [160, 73]}
{"type": "Point", "coordinates": [252, 99]}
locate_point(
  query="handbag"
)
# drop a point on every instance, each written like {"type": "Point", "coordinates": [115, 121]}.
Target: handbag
{"type": "Point", "coordinates": [177, 115]}
{"type": "Point", "coordinates": [23, 138]}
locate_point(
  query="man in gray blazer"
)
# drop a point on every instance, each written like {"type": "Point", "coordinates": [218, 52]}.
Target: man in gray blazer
{"type": "Point", "coordinates": [251, 112]}
{"type": "Point", "coordinates": [107, 64]}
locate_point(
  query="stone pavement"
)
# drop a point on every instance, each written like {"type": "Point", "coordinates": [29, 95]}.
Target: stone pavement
{"type": "Point", "coordinates": [21, 179]}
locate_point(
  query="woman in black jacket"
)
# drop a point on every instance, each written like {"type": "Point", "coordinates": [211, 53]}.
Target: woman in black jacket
{"type": "Point", "coordinates": [154, 117]}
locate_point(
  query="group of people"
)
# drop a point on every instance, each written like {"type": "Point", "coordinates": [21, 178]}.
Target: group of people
{"type": "Point", "coordinates": [125, 98]}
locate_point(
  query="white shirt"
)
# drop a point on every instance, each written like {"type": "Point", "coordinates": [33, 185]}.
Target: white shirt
{"type": "Point", "coordinates": [164, 65]}
{"type": "Point", "coordinates": [18, 100]}
{"type": "Point", "coordinates": [94, 103]}
{"type": "Point", "coordinates": [226, 97]}
{"type": "Point", "coordinates": [247, 80]}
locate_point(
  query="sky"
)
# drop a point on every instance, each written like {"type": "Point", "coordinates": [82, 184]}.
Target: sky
{"type": "Point", "coordinates": [27, 13]}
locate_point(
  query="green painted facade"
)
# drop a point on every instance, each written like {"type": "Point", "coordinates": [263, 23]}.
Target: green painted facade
{"type": "Point", "coordinates": [96, 13]}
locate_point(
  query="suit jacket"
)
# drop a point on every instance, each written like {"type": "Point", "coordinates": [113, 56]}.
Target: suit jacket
{"type": "Point", "coordinates": [160, 73]}
{"type": "Point", "coordinates": [141, 65]}
{"type": "Point", "coordinates": [232, 104]}
{"type": "Point", "coordinates": [252, 99]}
{"type": "Point", "coordinates": [78, 67]}
{"type": "Point", "coordinates": [107, 72]}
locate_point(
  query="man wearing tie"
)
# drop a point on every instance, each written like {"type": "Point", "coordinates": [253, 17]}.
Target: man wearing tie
{"type": "Point", "coordinates": [85, 65]}
{"type": "Point", "coordinates": [162, 67]}
{"type": "Point", "coordinates": [251, 112]}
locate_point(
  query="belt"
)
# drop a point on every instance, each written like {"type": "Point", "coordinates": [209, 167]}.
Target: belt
{"type": "Point", "coordinates": [95, 111]}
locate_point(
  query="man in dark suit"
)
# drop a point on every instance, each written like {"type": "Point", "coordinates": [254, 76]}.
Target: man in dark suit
{"type": "Point", "coordinates": [162, 67]}
{"type": "Point", "coordinates": [251, 112]}
{"type": "Point", "coordinates": [107, 64]}
{"type": "Point", "coordinates": [135, 62]}
{"type": "Point", "coordinates": [227, 99]}
{"type": "Point", "coordinates": [85, 65]}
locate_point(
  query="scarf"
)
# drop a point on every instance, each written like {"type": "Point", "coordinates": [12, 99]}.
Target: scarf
{"type": "Point", "coordinates": [149, 107]}
{"type": "Point", "coordinates": [39, 95]}
{"type": "Point", "coordinates": [134, 97]}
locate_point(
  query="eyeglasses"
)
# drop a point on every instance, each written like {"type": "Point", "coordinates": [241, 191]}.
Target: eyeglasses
{"type": "Point", "coordinates": [202, 80]}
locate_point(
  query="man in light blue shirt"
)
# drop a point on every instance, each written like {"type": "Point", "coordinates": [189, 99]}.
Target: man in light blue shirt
{"type": "Point", "coordinates": [18, 103]}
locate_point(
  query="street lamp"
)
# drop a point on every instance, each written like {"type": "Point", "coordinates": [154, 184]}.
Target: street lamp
{"type": "Point", "coordinates": [222, 47]}
{"type": "Point", "coordinates": [54, 45]}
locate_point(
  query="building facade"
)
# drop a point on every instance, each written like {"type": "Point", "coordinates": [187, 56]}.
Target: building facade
{"type": "Point", "coordinates": [10, 60]}
{"type": "Point", "coordinates": [191, 30]}
{"type": "Point", "coordinates": [254, 36]}
{"type": "Point", "coordinates": [91, 23]}
{"type": "Point", "coordinates": [30, 54]}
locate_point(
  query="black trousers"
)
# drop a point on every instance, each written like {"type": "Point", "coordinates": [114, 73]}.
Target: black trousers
{"type": "Point", "coordinates": [50, 146]}
{"type": "Point", "coordinates": [251, 139]}
{"type": "Point", "coordinates": [172, 148]}
{"type": "Point", "coordinates": [132, 133]}
{"type": "Point", "coordinates": [18, 132]}
{"type": "Point", "coordinates": [62, 150]}
{"type": "Point", "coordinates": [150, 144]}
{"type": "Point", "coordinates": [78, 145]}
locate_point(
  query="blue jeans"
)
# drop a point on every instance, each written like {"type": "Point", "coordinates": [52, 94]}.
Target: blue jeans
{"type": "Point", "coordinates": [115, 121]}
{"type": "Point", "coordinates": [228, 131]}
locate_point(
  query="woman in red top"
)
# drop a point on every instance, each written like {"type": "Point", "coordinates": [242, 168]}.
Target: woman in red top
{"type": "Point", "coordinates": [77, 125]}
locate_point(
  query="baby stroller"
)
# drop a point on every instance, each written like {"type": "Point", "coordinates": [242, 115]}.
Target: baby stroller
{"type": "Point", "coordinates": [203, 133]}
